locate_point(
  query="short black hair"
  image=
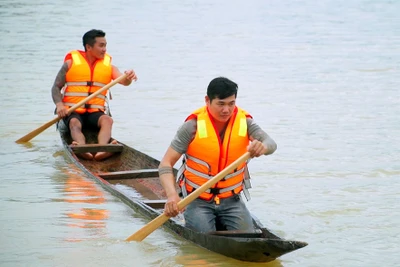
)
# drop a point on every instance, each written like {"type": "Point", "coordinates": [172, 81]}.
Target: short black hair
{"type": "Point", "coordinates": [221, 88]}
{"type": "Point", "coordinates": [90, 37]}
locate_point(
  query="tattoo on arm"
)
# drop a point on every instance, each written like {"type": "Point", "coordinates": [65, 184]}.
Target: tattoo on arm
{"type": "Point", "coordinates": [164, 170]}
{"type": "Point", "coordinates": [59, 84]}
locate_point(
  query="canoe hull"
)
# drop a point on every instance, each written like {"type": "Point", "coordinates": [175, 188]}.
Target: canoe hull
{"type": "Point", "coordinates": [120, 175]}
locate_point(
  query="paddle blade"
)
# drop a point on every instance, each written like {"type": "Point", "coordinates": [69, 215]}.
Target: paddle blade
{"type": "Point", "coordinates": [148, 228]}
{"type": "Point", "coordinates": [34, 133]}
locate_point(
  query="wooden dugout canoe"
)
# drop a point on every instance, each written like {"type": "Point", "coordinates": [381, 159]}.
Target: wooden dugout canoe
{"type": "Point", "coordinates": [132, 176]}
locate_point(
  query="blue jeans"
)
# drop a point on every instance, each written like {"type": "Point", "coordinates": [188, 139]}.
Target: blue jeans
{"type": "Point", "coordinates": [231, 213]}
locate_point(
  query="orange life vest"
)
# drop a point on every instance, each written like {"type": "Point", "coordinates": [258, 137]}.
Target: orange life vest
{"type": "Point", "coordinates": [82, 81]}
{"type": "Point", "coordinates": [207, 155]}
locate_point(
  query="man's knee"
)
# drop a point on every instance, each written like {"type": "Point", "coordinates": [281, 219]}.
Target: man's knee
{"type": "Point", "coordinates": [199, 217]}
{"type": "Point", "coordinates": [105, 121]}
{"type": "Point", "coordinates": [75, 125]}
{"type": "Point", "coordinates": [235, 215]}
{"type": "Point", "coordinates": [200, 224]}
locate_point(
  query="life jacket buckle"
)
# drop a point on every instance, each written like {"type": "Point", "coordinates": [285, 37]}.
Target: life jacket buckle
{"type": "Point", "coordinates": [216, 199]}
{"type": "Point", "coordinates": [89, 83]}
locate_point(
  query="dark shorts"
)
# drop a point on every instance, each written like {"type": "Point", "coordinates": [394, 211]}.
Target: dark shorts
{"type": "Point", "coordinates": [88, 120]}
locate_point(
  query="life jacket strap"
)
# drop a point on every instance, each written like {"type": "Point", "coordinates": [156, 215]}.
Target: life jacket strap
{"type": "Point", "coordinates": [198, 161]}
{"type": "Point", "coordinates": [84, 94]}
{"type": "Point", "coordinates": [215, 191]}
{"type": "Point", "coordinates": [206, 176]}
{"type": "Point", "coordinates": [88, 83]}
{"type": "Point", "coordinates": [182, 181]}
{"type": "Point", "coordinates": [246, 182]}
{"type": "Point", "coordinates": [179, 174]}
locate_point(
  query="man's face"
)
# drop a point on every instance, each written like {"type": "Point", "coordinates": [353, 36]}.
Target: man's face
{"type": "Point", "coordinates": [98, 50]}
{"type": "Point", "coordinates": [221, 109]}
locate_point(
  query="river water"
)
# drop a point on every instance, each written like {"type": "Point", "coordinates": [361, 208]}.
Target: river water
{"type": "Point", "coordinates": [321, 77]}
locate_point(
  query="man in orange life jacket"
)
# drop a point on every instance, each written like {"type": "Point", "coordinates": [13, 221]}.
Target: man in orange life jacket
{"type": "Point", "coordinates": [83, 73]}
{"type": "Point", "coordinates": [210, 139]}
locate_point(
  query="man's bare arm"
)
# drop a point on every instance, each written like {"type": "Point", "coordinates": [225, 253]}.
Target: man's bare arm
{"type": "Point", "coordinates": [59, 83]}
{"type": "Point", "coordinates": [168, 181]}
{"type": "Point", "coordinates": [167, 177]}
{"type": "Point", "coordinates": [130, 76]}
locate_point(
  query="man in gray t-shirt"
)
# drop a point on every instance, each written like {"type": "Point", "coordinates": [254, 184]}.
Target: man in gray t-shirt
{"type": "Point", "coordinates": [210, 139]}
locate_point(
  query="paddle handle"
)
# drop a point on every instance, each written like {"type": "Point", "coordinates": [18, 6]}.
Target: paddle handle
{"type": "Point", "coordinates": [37, 131]}
{"type": "Point", "coordinates": [161, 219]}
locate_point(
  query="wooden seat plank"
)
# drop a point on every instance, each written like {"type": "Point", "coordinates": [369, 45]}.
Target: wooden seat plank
{"type": "Point", "coordinates": [132, 174]}
{"type": "Point", "coordinates": [113, 148]}
{"type": "Point", "coordinates": [156, 204]}
{"type": "Point", "coordinates": [238, 233]}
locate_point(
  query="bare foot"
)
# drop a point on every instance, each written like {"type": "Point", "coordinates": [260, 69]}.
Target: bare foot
{"type": "Point", "coordinates": [86, 155]}
{"type": "Point", "coordinates": [103, 155]}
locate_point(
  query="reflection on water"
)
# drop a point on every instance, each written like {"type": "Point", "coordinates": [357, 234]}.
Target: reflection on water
{"type": "Point", "coordinates": [86, 198]}
{"type": "Point", "coordinates": [180, 252]}
{"type": "Point", "coordinates": [214, 260]}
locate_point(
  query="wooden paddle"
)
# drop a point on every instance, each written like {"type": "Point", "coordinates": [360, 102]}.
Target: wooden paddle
{"type": "Point", "coordinates": [161, 219]}
{"type": "Point", "coordinates": [34, 133]}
